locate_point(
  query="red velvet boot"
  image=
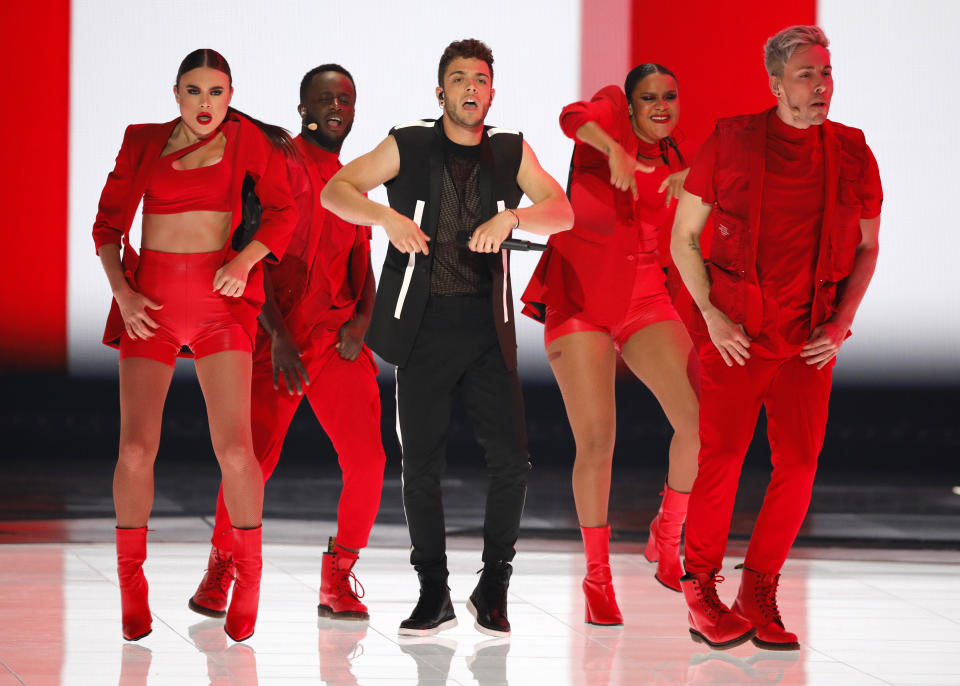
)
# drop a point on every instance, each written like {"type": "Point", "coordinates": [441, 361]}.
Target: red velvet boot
{"type": "Point", "coordinates": [663, 546]}
{"type": "Point", "coordinates": [242, 613]}
{"type": "Point", "coordinates": [711, 621]}
{"type": "Point", "coordinates": [757, 602]}
{"type": "Point", "coordinates": [211, 596]}
{"type": "Point", "coordinates": [338, 597]}
{"type": "Point", "coordinates": [601, 601]}
{"type": "Point", "coordinates": [131, 554]}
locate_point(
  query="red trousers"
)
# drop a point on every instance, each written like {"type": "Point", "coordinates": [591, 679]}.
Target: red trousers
{"type": "Point", "coordinates": [346, 400]}
{"type": "Point", "coordinates": [795, 396]}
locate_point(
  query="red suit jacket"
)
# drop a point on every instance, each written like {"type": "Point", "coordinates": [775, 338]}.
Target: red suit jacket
{"type": "Point", "coordinates": [590, 268]}
{"type": "Point", "coordinates": [248, 152]}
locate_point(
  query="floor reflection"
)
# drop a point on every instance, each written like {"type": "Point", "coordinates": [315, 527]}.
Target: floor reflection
{"type": "Point", "coordinates": [861, 623]}
{"type": "Point", "coordinates": [135, 665]}
{"type": "Point", "coordinates": [235, 665]}
{"type": "Point", "coordinates": [339, 645]}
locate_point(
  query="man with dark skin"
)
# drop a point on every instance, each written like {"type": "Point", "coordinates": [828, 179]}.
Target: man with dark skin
{"type": "Point", "coordinates": [310, 342]}
{"type": "Point", "coordinates": [444, 313]}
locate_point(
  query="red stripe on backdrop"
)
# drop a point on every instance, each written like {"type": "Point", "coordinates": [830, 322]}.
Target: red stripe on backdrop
{"type": "Point", "coordinates": [716, 51]}
{"type": "Point", "coordinates": [35, 125]}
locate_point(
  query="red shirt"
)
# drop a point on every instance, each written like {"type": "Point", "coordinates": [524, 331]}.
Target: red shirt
{"type": "Point", "coordinates": [321, 276]}
{"type": "Point", "coordinates": [790, 220]}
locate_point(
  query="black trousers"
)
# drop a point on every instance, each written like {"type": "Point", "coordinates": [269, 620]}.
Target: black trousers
{"type": "Point", "coordinates": [457, 350]}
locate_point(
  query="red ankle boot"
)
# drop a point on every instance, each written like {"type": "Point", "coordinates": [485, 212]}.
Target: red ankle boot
{"type": "Point", "coordinates": [211, 596]}
{"type": "Point", "coordinates": [663, 546]}
{"type": "Point", "coordinates": [711, 621]}
{"type": "Point", "coordinates": [131, 553]}
{"type": "Point", "coordinates": [338, 598]}
{"type": "Point", "coordinates": [242, 613]}
{"type": "Point", "coordinates": [601, 601]}
{"type": "Point", "coordinates": [757, 602]}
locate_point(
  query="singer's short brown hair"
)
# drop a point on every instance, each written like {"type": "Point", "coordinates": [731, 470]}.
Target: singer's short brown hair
{"type": "Point", "coordinates": [469, 48]}
{"type": "Point", "coordinates": [780, 47]}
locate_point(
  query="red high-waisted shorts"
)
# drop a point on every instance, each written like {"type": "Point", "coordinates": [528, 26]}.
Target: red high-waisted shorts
{"type": "Point", "coordinates": [192, 315]}
{"type": "Point", "coordinates": [649, 303]}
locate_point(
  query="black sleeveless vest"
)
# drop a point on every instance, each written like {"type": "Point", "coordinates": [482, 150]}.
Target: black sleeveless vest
{"type": "Point", "coordinates": [404, 285]}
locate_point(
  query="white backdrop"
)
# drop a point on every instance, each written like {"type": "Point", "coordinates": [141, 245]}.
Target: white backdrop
{"type": "Point", "coordinates": [125, 57]}
{"type": "Point", "coordinates": [895, 64]}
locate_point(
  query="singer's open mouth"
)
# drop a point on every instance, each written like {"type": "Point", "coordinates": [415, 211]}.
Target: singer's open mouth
{"type": "Point", "coordinates": [334, 122]}
{"type": "Point", "coordinates": [204, 118]}
{"type": "Point", "coordinates": [470, 104]}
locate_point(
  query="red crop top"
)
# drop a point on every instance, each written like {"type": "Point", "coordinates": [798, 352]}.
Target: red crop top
{"type": "Point", "coordinates": [171, 191]}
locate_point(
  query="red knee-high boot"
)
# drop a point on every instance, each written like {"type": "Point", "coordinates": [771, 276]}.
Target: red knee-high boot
{"type": "Point", "coordinates": [131, 553]}
{"type": "Point", "coordinates": [242, 613]}
{"type": "Point", "coordinates": [663, 546]}
{"type": "Point", "coordinates": [601, 601]}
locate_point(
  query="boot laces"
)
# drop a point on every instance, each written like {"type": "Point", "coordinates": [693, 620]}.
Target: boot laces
{"type": "Point", "coordinates": [707, 594]}
{"type": "Point", "coordinates": [223, 572]}
{"type": "Point", "coordinates": [343, 584]}
{"type": "Point", "coordinates": [765, 595]}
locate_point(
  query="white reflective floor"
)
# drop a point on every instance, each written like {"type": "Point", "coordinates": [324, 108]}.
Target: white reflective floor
{"type": "Point", "coordinates": [860, 622]}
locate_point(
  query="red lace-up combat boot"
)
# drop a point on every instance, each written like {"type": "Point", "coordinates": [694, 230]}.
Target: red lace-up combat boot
{"type": "Point", "coordinates": [211, 596]}
{"type": "Point", "coordinates": [339, 598]}
{"type": "Point", "coordinates": [757, 602]}
{"type": "Point", "coordinates": [711, 621]}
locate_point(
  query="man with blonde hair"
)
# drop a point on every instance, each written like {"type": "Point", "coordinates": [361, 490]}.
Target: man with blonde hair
{"type": "Point", "coordinates": [796, 201]}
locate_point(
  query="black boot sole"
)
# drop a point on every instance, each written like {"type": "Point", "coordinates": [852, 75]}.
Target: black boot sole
{"type": "Point", "coordinates": [348, 615]}
{"type": "Point", "coordinates": [767, 645]}
{"type": "Point", "coordinates": [724, 645]}
{"type": "Point", "coordinates": [206, 611]}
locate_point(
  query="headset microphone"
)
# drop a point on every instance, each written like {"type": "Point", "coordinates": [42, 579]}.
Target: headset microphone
{"type": "Point", "coordinates": [313, 126]}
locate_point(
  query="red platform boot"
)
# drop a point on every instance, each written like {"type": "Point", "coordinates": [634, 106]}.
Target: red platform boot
{"type": "Point", "coordinates": [601, 601]}
{"type": "Point", "coordinates": [338, 597]}
{"type": "Point", "coordinates": [211, 596]}
{"type": "Point", "coordinates": [711, 621]}
{"type": "Point", "coordinates": [757, 602]}
{"type": "Point", "coordinates": [131, 553]}
{"type": "Point", "coordinates": [663, 546]}
{"type": "Point", "coordinates": [242, 613]}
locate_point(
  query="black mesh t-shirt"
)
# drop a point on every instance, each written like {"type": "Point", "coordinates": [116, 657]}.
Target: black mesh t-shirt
{"type": "Point", "coordinates": [456, 269]}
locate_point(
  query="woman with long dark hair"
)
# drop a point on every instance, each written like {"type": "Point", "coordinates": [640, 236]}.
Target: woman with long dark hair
{"type": "Point", "coordinates": [195, 289]}
{"type": "Point", "coordinates": [599, 289]}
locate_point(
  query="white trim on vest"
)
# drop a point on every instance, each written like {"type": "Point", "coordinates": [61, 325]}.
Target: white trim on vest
{"type": "Point", "coordinates": [418, 122]}
{"type": "Point", "coordinates": [497, 129]}
{"type": "Point", "coordinates": [501, 206]}
{"type": "Point", "coordinates": [411, 262]}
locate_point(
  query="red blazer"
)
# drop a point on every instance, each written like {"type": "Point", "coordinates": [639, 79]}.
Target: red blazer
{"type": "Point", "coordinates": [248, 152]}
{"type": "Point", "coordinates": [591, 267]}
